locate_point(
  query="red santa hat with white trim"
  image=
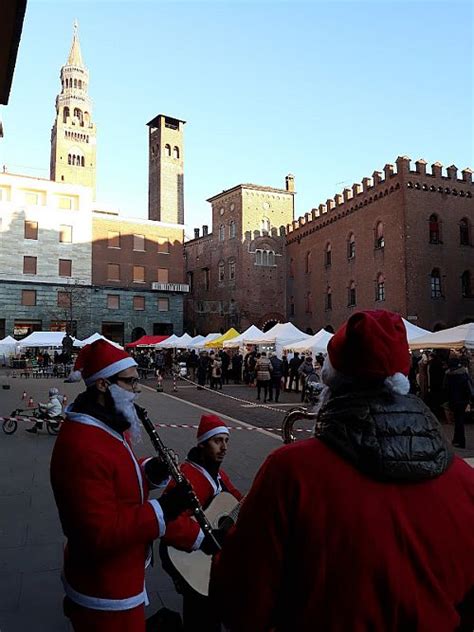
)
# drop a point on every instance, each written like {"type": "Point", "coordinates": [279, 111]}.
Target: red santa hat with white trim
{"type": "Point", "coordinates": [372, 346]}
{"type": "Point", "coordinates": [98, 360]}
{"type": "Point", "coordinates": [209, 426]}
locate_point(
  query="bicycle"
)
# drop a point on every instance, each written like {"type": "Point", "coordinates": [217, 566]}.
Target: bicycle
{"type": "Point", "coordinates": [10, 424]}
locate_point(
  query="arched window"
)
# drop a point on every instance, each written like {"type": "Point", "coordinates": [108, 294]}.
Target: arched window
{"type": "Point", "coordinates": [466, 284]}
{"type": "Point", "coordinates": [434, 229]}
{"type": "Point", "coordinates": [380, 288]}
{"type": "Point", "coordinates": [308, 302]}
{"type": "Point", "coordinates": [176, 152]}
{"type": "Point", "coordinates": [307, 265]}
{"type": "Point", "coordinates": [292, 268]}
{"type": "Point", "coordinates": [271, 258]}
{"type": "Point", "coordinates": [258, 257]}
{"type": "Point", "coordinates": [328, 255]}
{"type": "Point", "coordinates": [232, 229]}
{"type": "Point", "coordinates": [379, 237]}
{"type": "Point", "coordinates": [82, 161]}
{"type": "Point", "coordinates": [264, 257]}
{"type": "Point", "coordinates": [464, 236]}
{"type": "Point", "coordinates": [221, 232]}
{"type": "Point", "coordinates": [73, 159]}
{"type": "Point", "coordinates": [221, 271]}
{"type": "Point", "coordinates": [75, 83]}
{"type": "Point", "coordinates": [292, 305]}
{"type": "Point", "coordinates": [328, 301]}
{"type": "Point", "coordinates": [232, 270]}
{"type": "Point", "coordinates": [167, 150]}
{"type": "Point", "coordinates": [435, 279]}
{"type": "Point", "coordinates": [351, 246]}
{"type": "Point", "coordinates": [65, 114]}
{"type": "Point", "coordinates": [79, 84]}
{"type": "Point", "coordinates": [265, 225]}
{"type": "Point", "coordinates": [351, 294]}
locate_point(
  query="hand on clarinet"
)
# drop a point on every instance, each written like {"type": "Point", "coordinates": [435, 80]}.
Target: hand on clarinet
{"type": "Point", "coordinates": [156, 471]}
{"type": "Point", "coordinates": [176, 501]}
{"type": "Point", "coordinates": [208, 545]}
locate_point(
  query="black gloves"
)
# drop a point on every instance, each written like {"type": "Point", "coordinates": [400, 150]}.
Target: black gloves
{"type": "Point", "coordinates": [156, 471]}
{"type": "Point", "coordinates": [175, 501]}
{"type": "Point", "coordinates": [208, 546]}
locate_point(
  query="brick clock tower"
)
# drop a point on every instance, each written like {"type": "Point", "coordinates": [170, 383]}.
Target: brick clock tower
{"type": "Point", "coordinates": [73, 136]}
{"type": "Point", "coordinates": [166, 169]}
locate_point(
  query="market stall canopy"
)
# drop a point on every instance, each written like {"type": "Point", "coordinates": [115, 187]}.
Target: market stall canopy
{"type": "Point", "coordinates": [314, 344]}
{"type": "Point", "coordinates": [454, 338]}
{"type": "Point", "coordinates": [168, 343]}
{"type": "Point", "coordinates": [176, 342]}
{"type": "Point", "coordinates": [8, 346]}
{"type": "Point", "coordinates": [201, 344]}
{"type": "Point", "coordinates": [195, 341]}
{"type": "Point", "coordinates": [279, 335]}
{"type": "Point", "coordinates": [252, 332]}
{"type": "Point", "coordinates": [413, 331]}
{"type": "Point", "coordinates": [146, 341]}
{"type": "Point", "coordinates": [46, 339]}
{"type": "Point", "coordinates": [93, 338]}
{"type": "Point", "coordinates": [218, 342]}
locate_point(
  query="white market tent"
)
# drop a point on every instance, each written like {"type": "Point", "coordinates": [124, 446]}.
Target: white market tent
{"type": "Point", "coordinates": [314, 344]}
{"type": "Point", "coordinates": [175, 342]}
{"type": "Point", "coordinates": [454, 338]}
{"type": "Point", "coordinates": [200, 344]}
{"type": "Point", "coordinates": [93, 338]}
{"type": "Point", "coordinates": [168, 343]}
{"type": "Point", "coordinates": [413, 331]}
{"type": "Point", "coordinates": [45, 339]}
{"type": "Point", "coordinates": [8, 347]}
{"type": "Point", "coordinates": [195, 341]}
{"type": "Point", "coordinates": [279, 335]}
{"type": "Point", "coordinates": [252, 332]}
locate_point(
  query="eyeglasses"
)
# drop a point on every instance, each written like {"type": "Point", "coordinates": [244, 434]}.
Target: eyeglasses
{"type": "Point", "coordinates": [132, 381]}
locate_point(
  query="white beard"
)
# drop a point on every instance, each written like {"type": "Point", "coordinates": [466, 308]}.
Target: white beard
{"type": "Point", "coordinates": [123, 402]}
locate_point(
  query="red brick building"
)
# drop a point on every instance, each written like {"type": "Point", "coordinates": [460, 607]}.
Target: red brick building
{"type": "Point", "coordinates": [401, 241]}
{"type": "Point", "coordinates": [237, 273]}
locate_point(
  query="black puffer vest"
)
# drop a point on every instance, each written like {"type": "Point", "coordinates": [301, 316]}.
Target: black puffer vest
{"type": "Point", "coordinates": [389, 437]}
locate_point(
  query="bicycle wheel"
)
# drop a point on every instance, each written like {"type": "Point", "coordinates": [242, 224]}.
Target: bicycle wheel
{"type": "Point", "coordinates": [9, 426]}
{"type": "Point", "coordinates": [53, 428]}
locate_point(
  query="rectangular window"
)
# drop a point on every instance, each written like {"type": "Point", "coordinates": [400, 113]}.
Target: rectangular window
{"type": "Point", "coordinates": [139, 303]}
{"type": "Point", "coordinates": [28, 298]}
{"type": "Point", "coordinates": [113, 272]}
{"type": "Point", "coordinates": [31, 198]}
{"type": "Point", "coordinates": [139, 274]}
{"type": "Point", "coordinates": [29, 265]}
{"type": "Point", "coordinates": [65, 267]}
{"type": "Point", "coordinates": [163, 304]}
{"type": "Point", "coordinates": [191, 281]}
{"type": "Point", "coordinates": [31, 230]}
{"type": "Point", "coordinates": [64, 299]}
{"type": "Point", "coordinates": [113, 301]}
{"type": "Point", "coordinates": [232, 270]}
{"type": "Point", "coordinates": [206, 278]}
{"type": "Point", "coordinates": [328, 301]}
{"type": "Point", "coordinates": [163, 246]}
{"type": "Point", "coordinates": [113, 239]}
{"type": "Point", "coordinates": [163, 275]}
{"type": "Point", "coordinates": [65, 203]}
{"type": "Point", "coordinates": [65, 234]}
{"type": "Point", "coordinates": [139, 242]}
{"type": "Point", "coordinates": [380, 291]}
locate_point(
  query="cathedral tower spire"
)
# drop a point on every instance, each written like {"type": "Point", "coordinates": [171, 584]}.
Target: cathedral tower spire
{"type": "Point", "coordinates": [73, 136]}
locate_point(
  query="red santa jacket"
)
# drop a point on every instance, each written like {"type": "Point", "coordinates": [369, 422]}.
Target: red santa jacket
{"type": "Point", "coordinates": [184, 533]}
{"type": "Point", "coordinates": [331, 549]}
{"type": "Point", "coordinates": [101, 497]}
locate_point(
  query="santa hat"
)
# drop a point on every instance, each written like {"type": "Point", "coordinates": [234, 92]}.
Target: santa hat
{"type": "Point", "coordinates": [99, 360]}
{"type": "Point", "coordinates": [372, 345]}
{"type": "Point", "coordinates": [209, 426]}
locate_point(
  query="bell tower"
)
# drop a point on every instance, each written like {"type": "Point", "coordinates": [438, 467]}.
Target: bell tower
{"type": "Point", "coordinates": [73, 136]}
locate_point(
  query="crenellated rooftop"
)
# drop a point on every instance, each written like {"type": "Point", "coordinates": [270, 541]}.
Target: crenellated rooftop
{"type": "Point", "coordinates": [447, 182]}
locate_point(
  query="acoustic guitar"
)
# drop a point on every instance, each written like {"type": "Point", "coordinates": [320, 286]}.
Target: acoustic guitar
{"type": "Point", "coordinates": [195, 567]}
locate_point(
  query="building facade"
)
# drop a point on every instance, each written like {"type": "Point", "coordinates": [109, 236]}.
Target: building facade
{"type": "Point", "coordinates": [237, 272]}
{"type": "Point", "coordinates": [401, 241]}
{"type": "Point", "coordinates": [65, 264]}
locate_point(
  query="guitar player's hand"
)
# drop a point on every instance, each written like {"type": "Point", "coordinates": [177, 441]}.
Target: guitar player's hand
{"type": "Point", "coordinates": [208, 546]}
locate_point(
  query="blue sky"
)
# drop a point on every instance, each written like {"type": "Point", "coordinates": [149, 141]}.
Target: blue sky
{"type": "Point", "coordinates": [329, 91]}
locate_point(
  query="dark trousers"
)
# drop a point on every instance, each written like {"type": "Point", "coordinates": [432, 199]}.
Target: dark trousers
{"type": "Point", "coordinates": [262, 384]}
{"type": "Point", "coordinates": [274, 385]}
{"type": "Point", "coordinates": [459, 414]}
{"type": "Point", "coordinates": [198, 613]}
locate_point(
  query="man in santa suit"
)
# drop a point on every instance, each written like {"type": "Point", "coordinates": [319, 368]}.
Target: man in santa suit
{"type": "Point", "coordinates": [101, 491]}
{"type": "Point", "coordinates": [369, 525]}
{"type": "Point", "coordinates": [202, 469]}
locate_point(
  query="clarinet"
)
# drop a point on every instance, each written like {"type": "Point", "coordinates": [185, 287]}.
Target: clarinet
{"type": "Point", "coordinates": [169, 458]}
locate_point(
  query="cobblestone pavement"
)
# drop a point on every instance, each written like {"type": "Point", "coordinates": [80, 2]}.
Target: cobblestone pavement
{"type": "Point", "coordinates": [31, 540]}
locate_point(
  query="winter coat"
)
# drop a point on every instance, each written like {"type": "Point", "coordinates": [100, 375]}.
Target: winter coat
{"type": "Point", "coordinates": [263, 369]}
{"type": "Point", "coordinates": [54, 407]}
{"type": "Point", "coordinates": [368, 527]}
{"type": "Point", "coordinates": [306, 368]}
{"type": "Point", "coordinates": [277, 366]}
{"type": "Point", "coordinates": [458, 388]}
{"type": "Point", "coordinates": [216, 368]}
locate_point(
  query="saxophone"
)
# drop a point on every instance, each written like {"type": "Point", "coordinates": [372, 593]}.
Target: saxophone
{"type": "Point", "coordinates": [290, 418]}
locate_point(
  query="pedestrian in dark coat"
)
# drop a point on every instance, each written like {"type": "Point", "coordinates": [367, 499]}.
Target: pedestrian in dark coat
{"type": "Point", "coordinates": [276, 377]}
{"type": "Point", "coordinates": [458, 390]}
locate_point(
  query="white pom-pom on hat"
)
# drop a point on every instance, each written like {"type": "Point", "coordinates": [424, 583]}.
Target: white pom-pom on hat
{"type": "Point", "coordinates": [398, 383]}
{"type": "Point", "coordinates": [74, 376]}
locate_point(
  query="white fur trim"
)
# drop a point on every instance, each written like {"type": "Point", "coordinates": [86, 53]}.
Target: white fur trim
{"type": "Point", "coordinates": [98, 603]}
{"type": "Point", "coordinates": [159, 516]}
{"type": "Point", "coordinates": [214, 431]}
{"type": "Point", "coordinates": [111, 369]}
{"type": "Point", "coordinates": [398, 383]}
{"type": "Point", "coordinates": [74, 376]}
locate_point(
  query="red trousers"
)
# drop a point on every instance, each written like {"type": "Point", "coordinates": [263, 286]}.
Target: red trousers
{"type": "Point", "coordinates": [87, 620]}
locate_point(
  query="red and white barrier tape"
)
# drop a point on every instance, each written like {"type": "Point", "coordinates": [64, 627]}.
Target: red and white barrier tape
{"type": "Point", "coordinates": [194, 426]}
